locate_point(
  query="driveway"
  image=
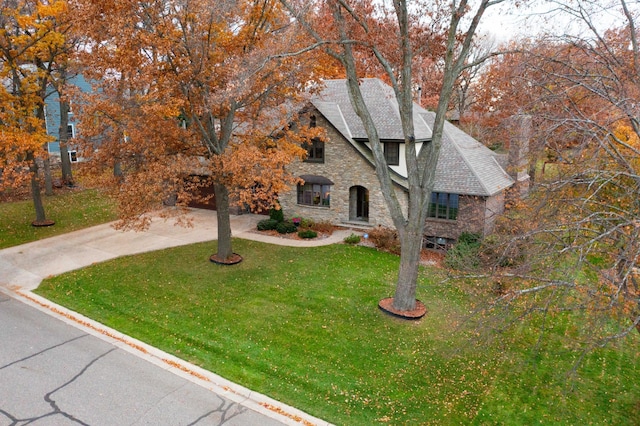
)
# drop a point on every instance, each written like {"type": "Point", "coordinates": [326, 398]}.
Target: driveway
{"type": "Point", "coordinates": [58, 367]}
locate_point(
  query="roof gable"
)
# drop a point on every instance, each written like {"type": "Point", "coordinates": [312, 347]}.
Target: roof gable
{"type": "Point", "coordinates": [465, 166]}
{"type": "Point", "coordinates": [333, 101]}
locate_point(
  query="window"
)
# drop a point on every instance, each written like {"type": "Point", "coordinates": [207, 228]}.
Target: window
{"type": "Point", "coordinates": [313, 194]}
{"type": "Point", "coordinates": [315, 151]}
{"type": "Point", "coordinates": [70, 131]}
{"type": "Point", "coordinates": [392, 153]}
{"type": "Point", "coordinates": [443, 206]}
{"type": "Point", "coordinates": [438, 243]}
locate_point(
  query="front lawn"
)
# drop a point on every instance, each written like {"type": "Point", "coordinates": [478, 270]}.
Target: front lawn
{"type": "Point", "coordinates": [302, 326]}
{"type": "Point", "coordinates": [70, 209]}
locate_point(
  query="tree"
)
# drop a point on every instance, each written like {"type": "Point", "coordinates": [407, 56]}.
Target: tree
{"type": "Point", "coordinates": [577, 247]}
{"type": "Point", "coordinates": [27, 32]}
{"type": "Point", "coordinates": [193, 88]}
{"type": "Point", "coordinates": [388, 36]}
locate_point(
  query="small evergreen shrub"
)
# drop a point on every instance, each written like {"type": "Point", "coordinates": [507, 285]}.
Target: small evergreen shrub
{"type": "Point", "coordinates": [276, 214]}
{"type": "Point", "coordinates": [307, 233]}
{"type": "Point", "coordinates": [465, 255]}
{"type": "Point", "coordinates": [286, 227]}
{"type": "Point", "coordinates": [352, 239]}
{"type": "Point", "coordinates": [267, 225]}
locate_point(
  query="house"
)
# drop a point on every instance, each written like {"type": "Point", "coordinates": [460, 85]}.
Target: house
{"type": "Point", "coordinates": [52, 118]}
{"type": "Point", "coordinates": [340, 183]}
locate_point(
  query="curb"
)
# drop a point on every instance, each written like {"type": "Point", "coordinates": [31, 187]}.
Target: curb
{"type": "Point", "coordinates": [252, 400]}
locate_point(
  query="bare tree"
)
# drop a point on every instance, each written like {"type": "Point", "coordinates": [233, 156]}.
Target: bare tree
{"type": "Point", "coordinates": [386, 34]}
{"type": "Point", "coordinates": [578, 246]}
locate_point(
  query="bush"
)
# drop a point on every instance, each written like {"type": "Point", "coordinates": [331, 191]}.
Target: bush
{"type": "Point", "coordinates": [323, 227]}
{"type": "Point", "coordinates": [267, 224]}
{"type": "Point", "coordinates": [276, 214]}
{"type": "Point", "coordinates": [286, 227]}
{"type": "Point", "coordinates": [306, 223]}
{"type": "Point", "coordinates": [352, 239]}
{"type": "Point", "coordinates": [465, 255]}
{"type": "Point", "coordinates": [385, 239]}
{"type": "Point", "coordinates": [307, 233]}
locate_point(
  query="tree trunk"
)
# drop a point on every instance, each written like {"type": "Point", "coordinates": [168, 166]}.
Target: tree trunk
{"type": "Point", "coordinates": [63, 138]}
{"type": "Point", "coordinates": [48, 180]}
{"type": "Point", "coordinates": [224, 222]}
{"type": "Point", "coordinates": [36, 195]}
{"type": "Point", "coordinates": [411, 246]}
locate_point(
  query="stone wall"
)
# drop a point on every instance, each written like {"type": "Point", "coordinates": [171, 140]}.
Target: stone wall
{"type": "Point", "coordinates": [346, 168]}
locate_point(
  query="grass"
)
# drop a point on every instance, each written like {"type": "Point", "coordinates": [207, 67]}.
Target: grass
{"type": "Point", "coordinates": [71, 210]}
{"type": "Point", "coordinates": [301, 325]}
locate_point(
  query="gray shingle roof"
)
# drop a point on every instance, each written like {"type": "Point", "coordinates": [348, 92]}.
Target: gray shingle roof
{"type": "Point", "coordinates": [382, 104]}
{"type": "Point", "coordinates": [465, 165]}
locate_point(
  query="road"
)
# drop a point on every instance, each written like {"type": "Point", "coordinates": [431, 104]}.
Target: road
{"type": "Point", "coordinates": [52, 373]}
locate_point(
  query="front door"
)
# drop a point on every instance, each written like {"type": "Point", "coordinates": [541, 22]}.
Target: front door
{"type": "Point", "coordinates": [359, 203]}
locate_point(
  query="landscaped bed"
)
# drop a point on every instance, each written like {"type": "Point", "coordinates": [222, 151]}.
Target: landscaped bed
{"type": "Point", "coordinates": [302, 325]}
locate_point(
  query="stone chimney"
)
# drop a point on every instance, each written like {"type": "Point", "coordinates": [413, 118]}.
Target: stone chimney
{"type": "Point", "coordinates": [520, 131]}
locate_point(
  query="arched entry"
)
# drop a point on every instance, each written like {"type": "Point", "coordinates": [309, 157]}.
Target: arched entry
{"type": "Point", "coordinates": [359, 203]}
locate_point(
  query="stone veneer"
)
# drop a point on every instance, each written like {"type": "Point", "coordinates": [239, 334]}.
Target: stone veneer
{"type": "Point", "coordinates": [346, 168]}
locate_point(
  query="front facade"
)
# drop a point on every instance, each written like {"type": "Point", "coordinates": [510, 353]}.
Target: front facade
{"type": "Point", "coordinates": [341, 186]}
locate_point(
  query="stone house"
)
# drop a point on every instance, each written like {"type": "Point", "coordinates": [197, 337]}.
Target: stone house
{"type": "Point", "coordinates": [340, 183]}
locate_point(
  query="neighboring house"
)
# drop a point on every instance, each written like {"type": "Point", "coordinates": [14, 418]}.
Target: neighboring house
{"type": "Point", "coordinates": [52, 118]}
{"type": "Point", "coordinates": [341, 186]}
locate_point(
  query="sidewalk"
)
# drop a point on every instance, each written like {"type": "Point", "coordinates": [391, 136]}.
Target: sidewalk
{"type": "Point", "coordinates": [22, 268]}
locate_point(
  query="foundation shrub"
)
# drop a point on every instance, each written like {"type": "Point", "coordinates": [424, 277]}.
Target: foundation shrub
{"type": "Point", "coordinates": [385, 239]}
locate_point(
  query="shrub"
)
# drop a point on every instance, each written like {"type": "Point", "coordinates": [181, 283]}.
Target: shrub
{"type": "Point", "coordinates": [267, 224]}
{"type": "Point", "coordinates": [306, 223]}
{"type": "Point", "coordinates": [323, 227]}
{"type": "Point", "coordinates": [286, 227]}
{"type": "Point", "coordinates": [465, 255]}
{"type": "Point", "coordinates": [276, 214]}
{"type": "Point", "coordinates": [307, 233]}
{"type": "Point", "coordinates": [385, 239]}
{"type": "Point", "coordinates": [352, 239]}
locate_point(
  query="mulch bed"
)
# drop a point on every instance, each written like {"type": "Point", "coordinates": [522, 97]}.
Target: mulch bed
{"type": "Point", "coordinates": [234, 259]}
{"type": "Point", "coordinates": [386, 305]}
{"type": "Point", "coordinates": [42, 223]}
{"type": "Point", "coordinates": [293, 235]}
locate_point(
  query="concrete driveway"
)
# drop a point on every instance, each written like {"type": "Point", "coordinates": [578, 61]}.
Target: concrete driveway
{"type": "Point", "coordinates": [58, 367]}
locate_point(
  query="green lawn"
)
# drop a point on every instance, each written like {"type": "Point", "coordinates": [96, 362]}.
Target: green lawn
{"type": "Point", "coordinates": [70, 210]}
{"type": "Point", "coordinates": [302, 326]}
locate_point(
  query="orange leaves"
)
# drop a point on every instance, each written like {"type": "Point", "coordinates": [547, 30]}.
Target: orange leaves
{"type": "Point", "coordinates": [193, 88]}
{"type": "Point", "coordinates": [27, 33]}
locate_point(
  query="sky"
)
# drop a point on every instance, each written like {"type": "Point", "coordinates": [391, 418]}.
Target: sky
{"type": "Point", "coordinates": [506, 22]}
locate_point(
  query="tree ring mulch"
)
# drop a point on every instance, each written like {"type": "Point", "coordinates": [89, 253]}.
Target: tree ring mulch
{"type": "Point", "coordinates": [386, 305]}
{"type": "Point", "coordinates": [42, 223]}
{"type": "Point", "coordinates": [234, 259]}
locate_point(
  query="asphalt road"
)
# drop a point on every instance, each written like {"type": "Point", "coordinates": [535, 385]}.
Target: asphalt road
{"type": "Point", "coordinates": [52, 373]}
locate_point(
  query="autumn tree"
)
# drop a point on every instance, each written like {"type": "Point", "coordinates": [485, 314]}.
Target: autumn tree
{"type": "Point", "coordinates": [193, 88]}
{"type": "Point", "coordinates": [27, 33]}
{"type": "Point", "coordinates": [577, 246]}
{"type": "Point", "coordinates": [390, 36]}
